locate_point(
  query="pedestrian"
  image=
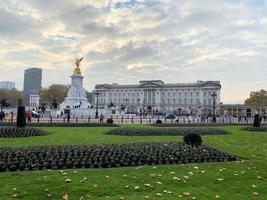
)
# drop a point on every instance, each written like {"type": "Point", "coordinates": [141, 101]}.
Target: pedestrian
{"type": "Point", "coordinates": [101, 118]}
{"type": "Point", "coordinates": [29, 116]}
{"type": "Point", "coordinates": [1, 116]}
{"type": "Point", "coordinates": [11, 117]}
{"type": "Point", "coordinates": [68, 117]}
{"type": "Point", "coordinates": [8, 116]}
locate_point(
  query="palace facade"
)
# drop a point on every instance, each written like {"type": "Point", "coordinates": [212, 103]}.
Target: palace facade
{"type": "Point", "coordinates": [158, 96]}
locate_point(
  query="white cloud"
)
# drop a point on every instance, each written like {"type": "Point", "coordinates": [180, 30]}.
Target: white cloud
{"type": "Point", "coordinates": [122, 40]}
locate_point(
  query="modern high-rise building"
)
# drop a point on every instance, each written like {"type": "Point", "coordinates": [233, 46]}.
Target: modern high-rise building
{"type": "Point", "coordinates": [7, 85]}
{"type": "Point", "coordinates": [32, 83]}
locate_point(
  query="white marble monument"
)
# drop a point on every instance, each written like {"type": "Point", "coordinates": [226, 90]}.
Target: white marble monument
{"type": "Point", "coordinates": [76, 100]}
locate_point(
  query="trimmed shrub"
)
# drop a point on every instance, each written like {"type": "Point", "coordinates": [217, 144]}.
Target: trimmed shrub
{"type": "Point", "coordinates": [255, 129]}
{"type": "Point", "coordinates": [193, 124]}
{"type": "Point", "coordinates": [13, 132]}
{"type": "Point", "coordinates": [107, 156]}
{"type": "Point", "coordinates": [60, 124]}
{"type": "Point", "coordinates": [158, 121]}
{"type": "Point", "coordinates": [134, 131]}
{"type": "Point", "coordinates": [193, 139]}
{"type": "Point", "coordinates": [21, 120]}
{"type": "Point", "coordinates": [110, 121]}
{"type": "Point", "coordinates": [257, 121]}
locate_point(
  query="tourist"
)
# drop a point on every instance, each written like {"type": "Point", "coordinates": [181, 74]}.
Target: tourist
{"type": "Point", "coordinates": [29, 116]}
{"type": "Point", "coordinates": [8, 116]}
{"type": "Point", "coordinates": [12, 116]}
{"type": "Point", "coordinates": [68, 117]}
{"type": "Point", "coordinates": [2, 116]}
{"type": "Point", "coordinates": [101, 118]}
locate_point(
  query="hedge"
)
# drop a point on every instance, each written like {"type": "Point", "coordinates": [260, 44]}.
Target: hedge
{"type": "Point", "coordinates": [13, 132]}
{"type": "Point", "coordinates": [107, 156]}
{"type": "Point", "coordinates": [255, 129]}
{"type": "Point", "coordinates": [182, 131]}
{"type": "Point", "coordinates": [60, 124]}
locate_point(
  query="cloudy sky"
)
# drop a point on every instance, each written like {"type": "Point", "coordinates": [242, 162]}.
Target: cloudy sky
{"type": "Point", "coordinates": [123, 40]}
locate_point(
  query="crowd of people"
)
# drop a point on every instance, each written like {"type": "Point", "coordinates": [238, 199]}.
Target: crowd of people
{"type": "Point", "coordinates": [6, 117]}
{"type": "Point", "coordinates": [9, 117]}
{"type": "Point", "coordinates": [67, 117]}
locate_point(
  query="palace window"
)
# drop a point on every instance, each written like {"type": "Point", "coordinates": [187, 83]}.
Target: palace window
{"type": "Point", "coordinates": [191, 101]}
{"type": "Point", "coordinates": [209, 101]}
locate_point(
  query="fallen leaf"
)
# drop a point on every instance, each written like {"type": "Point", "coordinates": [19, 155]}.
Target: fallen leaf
{"type": "Point", "coordinates": [186, 193]}
{"type": "Point", "coordinates": [65, 197]}
{"type": "Point", "coordinates": [136, 187]}
{"type": "Point", "coordinates": [255, 193]}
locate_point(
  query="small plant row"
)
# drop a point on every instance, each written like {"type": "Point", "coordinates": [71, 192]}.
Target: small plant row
{"type": "Point", "coordinates": [107, 156]}
{"type": "Point", "coordinates": [66, 124]}
{"type": "Point", "coordinates": [181, 131]}
{"type": "Point", "coordinates": [13, 132]}
{"type": "Point", "coordinates": [193, 124]}
{"type": "Point", "coordinates": [255, 129]}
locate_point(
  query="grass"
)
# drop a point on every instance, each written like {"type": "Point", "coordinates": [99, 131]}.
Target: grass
{"type": "Point", "coordinates": [231, 180]}
{"type": "Point", "coordinates": [79, 136]}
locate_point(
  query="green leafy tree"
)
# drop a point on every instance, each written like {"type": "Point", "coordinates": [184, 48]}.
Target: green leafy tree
{"type": "Point", "coordinates": [257, 98]}
{"type": "Point", "coordinates": [57, 91]}
{"type": "Point", "coordinates": [12, 96]}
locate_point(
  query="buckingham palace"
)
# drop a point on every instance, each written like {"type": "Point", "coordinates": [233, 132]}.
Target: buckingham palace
{"type": "Point", "coordinates": [158, 96]}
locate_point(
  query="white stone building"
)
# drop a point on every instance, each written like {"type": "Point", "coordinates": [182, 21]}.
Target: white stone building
{"type": "Point", "coordinates": [7, 85]}
{"type": "Point", "coordinates": [34, 101]}
{"type": "Point", "coordinates": [157, 96]}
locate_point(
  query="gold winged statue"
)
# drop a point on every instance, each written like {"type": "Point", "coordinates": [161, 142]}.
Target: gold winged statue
{"type": "Point", "coordinates": [77, 63]}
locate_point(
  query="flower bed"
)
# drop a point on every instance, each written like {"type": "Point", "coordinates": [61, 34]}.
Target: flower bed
{"type": "Point", "coordinates": [194, 124]}
{"type": "Point", "coordinates": [255, 129]}
{"type": "Point", "coordinates": [60, 124]}
{"type": "Point", "coordinates": [132, 131]}
{"type": "Point", "coordinates": [13, 132]}
{"type": "Point", "coordinates": [107, 156]}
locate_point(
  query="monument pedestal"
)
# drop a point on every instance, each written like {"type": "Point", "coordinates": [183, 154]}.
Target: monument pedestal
{"type": "Point", "coordinates": [55, 113]}
{"type": "Point", "coordinates": [76, 101]}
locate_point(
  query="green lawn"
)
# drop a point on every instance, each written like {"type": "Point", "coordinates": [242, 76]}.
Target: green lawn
{"type": "Point", "coordinates": [232, 180]}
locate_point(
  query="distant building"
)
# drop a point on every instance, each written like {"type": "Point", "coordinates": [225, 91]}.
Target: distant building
{"type": "Point", "coordinates": [157, 96]}
{"type": "Point", "coordinates": [32, 83]}
{"type": "Point", "coordinates": [241, 110]}
{"type": "Point", "coordinates": [34, 100]}
{"type": "Point", "coordinates": [7, 85]}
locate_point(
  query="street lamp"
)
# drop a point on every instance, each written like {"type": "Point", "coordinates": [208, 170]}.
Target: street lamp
{"type": "Point", "coordinates": [96, 108]}
{"type": "Point", "coordinates": [143, 107]}
{"type": "Point", "coordinates": [214, 95]}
